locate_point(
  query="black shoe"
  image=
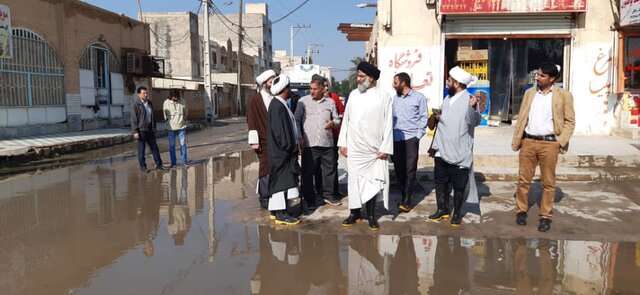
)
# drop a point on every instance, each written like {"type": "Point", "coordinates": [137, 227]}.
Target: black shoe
{"type": "Point", "coordinates": [521, 218]}
{"type": "Point", "coordinates": [404, 208]}
{"type": "Point", "coordinates": [371, 215]}
{"type": "Point", "coordinates": [286, 219]}
{"type": "Point", "coordinates": [545, 224]}
{"type": "Point", "coordinates": [440, 214]}
{"type": "Point", "coordinates": [353, 218]}
{"type": "Point", "coordinates": [172, 166]}
{"type": "Point", "coordinates": [144, 170]}
{"type": "Point", "coordinates": [456, 219]}
{"type": "Point", "coordinates": [160, 167]}
{"type": "Point", "coordinates": [264, 203]}
{"type": "Point", "coordinates": [332, 202]}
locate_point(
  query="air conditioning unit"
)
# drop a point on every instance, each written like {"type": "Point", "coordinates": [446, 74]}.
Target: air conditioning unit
{"type": "Point", "coordinates": [141, 65]}
{"type": "Point", "coordinates": [135, 63]}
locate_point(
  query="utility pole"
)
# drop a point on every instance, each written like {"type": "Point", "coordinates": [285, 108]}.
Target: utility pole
{"type": "Point", "coordinates": [291, 40]}
{"type": "Point", "coordinates": [209, 102]}
{"type": "Point", "coordinates": [238, 95]}
{"type": "Point", "coordinates": [310, 51]}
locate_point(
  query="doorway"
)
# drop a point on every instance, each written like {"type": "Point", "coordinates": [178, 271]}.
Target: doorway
{"type": "Point", "coordinates": [511, 65]}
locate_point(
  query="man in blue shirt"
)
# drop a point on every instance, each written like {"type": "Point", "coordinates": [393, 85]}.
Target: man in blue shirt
{"type": "Point", "coordinates": [409, 125]}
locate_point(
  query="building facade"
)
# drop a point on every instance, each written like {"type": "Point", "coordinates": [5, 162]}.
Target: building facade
{"type": "Point", "coordinates": [257, 40]}
{"type": "Point", "coordinates": [66, 69]}
{"type": "Point", "coordinates": [176, 38]}
{"type": "Point", "coordinates": [503, 42]}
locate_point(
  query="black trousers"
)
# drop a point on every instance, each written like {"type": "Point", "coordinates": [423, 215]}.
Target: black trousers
{"type": "Point", "coordinates": [263, 188]}
{"type": "Point", "coordinates": [405, 160]}
{"type": "Point", "coordinates": [450, 175]}
{"type": "Point", "coordinates": [148, 138]}
{"type": "Point", "coordinates": [317, 176]}
{"type": "Point", "coordinates": [312, 159]}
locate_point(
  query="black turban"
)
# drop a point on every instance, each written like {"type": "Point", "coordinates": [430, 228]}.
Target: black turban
{"type": "Point", "coordinates": [369, 69]}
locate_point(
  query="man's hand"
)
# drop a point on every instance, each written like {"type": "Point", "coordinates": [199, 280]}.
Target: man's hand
{"type": "Point", "coordinates": [136, 136]}
{"type": "Point", "coordinates": [382, 156]}
{"type": "Point", "coordinates": [329, 125]}
{"type": "Point", "coordinates": [432, 122]}
{"type": "Point", "coordinates": [473, 101]}
{"type": "Point", "coordinates": [255, 146]}
{"type": "Point", "coordinates": [343, 151]}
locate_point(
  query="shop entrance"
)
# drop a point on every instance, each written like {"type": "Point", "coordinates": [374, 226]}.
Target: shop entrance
{"type": "Point", "coordinates": [505, 68]}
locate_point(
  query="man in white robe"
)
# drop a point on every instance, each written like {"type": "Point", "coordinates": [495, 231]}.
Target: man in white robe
{"type": "Point", "coordinates": [366, 139]}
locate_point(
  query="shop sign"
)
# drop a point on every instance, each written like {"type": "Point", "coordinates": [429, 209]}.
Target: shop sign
{"type": "Point", "coordinates": [629, 12]}
{"type": "Point", "coordinates": [511, 6]}
{"type": "Point", "coordinates": [466, 55]}
{"type": "Point", "coordinates": [421, 63]}
{"type": "Point", "coordinates": [5, 32]}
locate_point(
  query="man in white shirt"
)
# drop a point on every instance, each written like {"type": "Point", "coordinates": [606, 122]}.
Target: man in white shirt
{"type": "Point", "coordinates": [545, 124]}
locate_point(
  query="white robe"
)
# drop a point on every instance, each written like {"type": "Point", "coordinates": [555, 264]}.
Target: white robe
{"type": "Point", "coordinates": [367, 128]}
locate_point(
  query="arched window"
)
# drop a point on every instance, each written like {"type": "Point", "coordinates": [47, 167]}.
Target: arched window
{"type": "Point", "coordinates": [96, 57]}
{"type": "Point", "coordinates": [35, 74]}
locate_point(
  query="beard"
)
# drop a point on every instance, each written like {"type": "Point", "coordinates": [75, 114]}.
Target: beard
{"type": "Point", "coordinates": [452, 91]}
{"type": "Point", "coordinates": [362, 87]}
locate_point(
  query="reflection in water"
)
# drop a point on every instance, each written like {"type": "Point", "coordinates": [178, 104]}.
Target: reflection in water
{"type": "Point", "coordinates": [107, 229]}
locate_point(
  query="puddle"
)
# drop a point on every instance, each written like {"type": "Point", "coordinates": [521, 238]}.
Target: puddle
{"type": "Point", "coordinates": [105, 228]}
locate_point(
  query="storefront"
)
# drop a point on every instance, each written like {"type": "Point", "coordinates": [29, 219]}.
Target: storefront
{"type": "Point", "coordinates": [629, 64]}
{"type": "Point", "coordinates": [504, 45]}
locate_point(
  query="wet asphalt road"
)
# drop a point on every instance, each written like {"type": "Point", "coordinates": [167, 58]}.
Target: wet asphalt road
{"type": "Point", "coordinates": [102, 227]}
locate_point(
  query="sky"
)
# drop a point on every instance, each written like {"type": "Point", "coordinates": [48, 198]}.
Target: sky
{"type": "Point", "coordinates": [323, 16]}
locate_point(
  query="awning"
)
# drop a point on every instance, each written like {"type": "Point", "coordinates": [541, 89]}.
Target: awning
{"type": "Point", "coordinates": [168, 83]}
{"type": "Point", "coordinates": [356, 32]}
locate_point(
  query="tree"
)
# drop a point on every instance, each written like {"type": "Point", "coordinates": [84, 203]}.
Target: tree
{"type": "Point", "coordinates": [353, 72]}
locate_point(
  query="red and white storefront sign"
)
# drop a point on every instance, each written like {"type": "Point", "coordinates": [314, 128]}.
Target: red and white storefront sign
{"type": "Point", "coordinates": [511, 6]}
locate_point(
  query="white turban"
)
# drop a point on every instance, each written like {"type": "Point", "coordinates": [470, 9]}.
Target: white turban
{"type": "Point", "coordinates": [279, 83]}
{"type": "Point", "coordinates": [462, 76]}
{"type": "Point", "coordinates": [265, 76]}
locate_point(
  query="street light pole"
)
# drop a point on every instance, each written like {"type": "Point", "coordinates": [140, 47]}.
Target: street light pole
{"type": "Point", "coordinates": [210, 104]}
{"type": "Point", "coordinates": [239, 69]}
{"type": "Point", "coordinates": [291, 40]}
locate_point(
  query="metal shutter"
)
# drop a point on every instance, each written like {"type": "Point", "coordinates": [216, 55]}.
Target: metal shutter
{"type": "Point", "coordinates": [508, 24]}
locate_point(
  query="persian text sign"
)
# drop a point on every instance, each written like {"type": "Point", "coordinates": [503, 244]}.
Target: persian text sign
{"type": "Point", "coordinates": [511, 6]}
{"type": "Point", "coordinates": [422, 65]}
{"type": "Point", "coordinates": [5, 32]}
{"type": "Point", "coordinates": [629, 12]}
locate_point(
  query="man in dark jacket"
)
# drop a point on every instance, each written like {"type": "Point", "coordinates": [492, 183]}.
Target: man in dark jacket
{"type": "Point", "coordinates": [282, 147]}
{"type": "Point", "coordinates": [143, 125]}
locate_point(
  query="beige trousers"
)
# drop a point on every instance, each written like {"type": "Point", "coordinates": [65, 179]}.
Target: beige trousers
{"type": "Point", "coordinates": [532, 153]}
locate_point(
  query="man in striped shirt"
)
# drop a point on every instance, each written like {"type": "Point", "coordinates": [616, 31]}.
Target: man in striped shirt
{"type": "Point", "coordinates": [316, 117]}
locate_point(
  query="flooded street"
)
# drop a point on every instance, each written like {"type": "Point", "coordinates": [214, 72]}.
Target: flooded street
{"type": "Point", "coordinates": [105, 228]}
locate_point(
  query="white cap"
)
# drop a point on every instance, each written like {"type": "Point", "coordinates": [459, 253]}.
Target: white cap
{"type": "Point", "coordinates": [265, 76]}
{"type": "Point", "coordinates": [279, 83]}
{"type": "Point", "coordinates": [462, 76]}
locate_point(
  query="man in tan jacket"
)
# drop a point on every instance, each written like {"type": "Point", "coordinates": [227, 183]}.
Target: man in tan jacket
{"type": "Point", "coordinates": [545, 124]}
{"type": "Point", "coordinates": [175, 114]}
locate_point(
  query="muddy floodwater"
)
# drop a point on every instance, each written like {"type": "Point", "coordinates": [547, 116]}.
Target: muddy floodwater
{"type": "Point", "coordinates": [105, 228]}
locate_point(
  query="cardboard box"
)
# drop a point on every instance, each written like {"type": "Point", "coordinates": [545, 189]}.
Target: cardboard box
{"type": "Point", "coordinates": [466, 55]}
{"type": "Point", "coordinates": [465, 44]}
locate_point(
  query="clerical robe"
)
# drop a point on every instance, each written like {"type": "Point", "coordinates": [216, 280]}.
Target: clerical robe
{"type": "Point", "coordinates": [367, 128]}
{"type": "Point", "coordinates": [257, 123]}
{"type": "Point", "coordinates": [455, 136]}
{"type": "Point", "coordinates": [282, 143]}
